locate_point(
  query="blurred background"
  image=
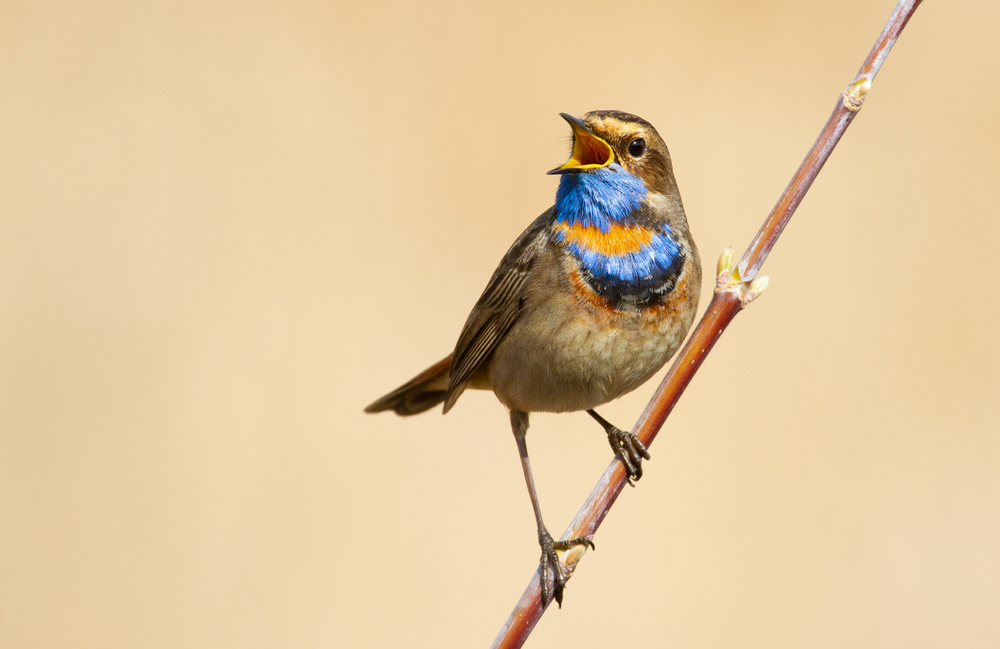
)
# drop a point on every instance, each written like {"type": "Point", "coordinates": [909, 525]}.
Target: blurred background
{"type": "Point", "coordinates": [227, 227]}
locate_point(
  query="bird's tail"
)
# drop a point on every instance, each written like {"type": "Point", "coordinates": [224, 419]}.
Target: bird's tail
{"type": "Point", "coordinates": [422, 392]}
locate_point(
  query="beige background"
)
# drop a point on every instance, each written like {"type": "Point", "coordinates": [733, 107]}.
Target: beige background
{"type": "Point", "coordinates": [225, 228]}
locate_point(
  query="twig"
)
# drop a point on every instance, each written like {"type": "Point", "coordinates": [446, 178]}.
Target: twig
{"type": "Point", "coordinates": [736, 287]}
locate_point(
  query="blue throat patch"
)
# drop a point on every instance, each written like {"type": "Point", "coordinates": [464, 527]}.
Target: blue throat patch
{"type": "Point", "coordinates": [595, 199]}
{"type": "Point", "coordinates": [604, 199]}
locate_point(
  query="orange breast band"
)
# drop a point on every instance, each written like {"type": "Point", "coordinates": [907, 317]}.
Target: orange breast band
{"type": "Point", "coordinates": [619, 240]}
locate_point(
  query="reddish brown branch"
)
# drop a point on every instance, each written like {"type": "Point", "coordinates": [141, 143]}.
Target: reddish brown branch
{"type": "Point", "coordinates": [847, 107]}
{"type": "Point", "coordinates": [730, 297]}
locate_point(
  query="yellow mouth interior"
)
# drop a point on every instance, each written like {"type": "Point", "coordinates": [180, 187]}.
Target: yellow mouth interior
{"type": "Point", "coordinates": [589, 151]}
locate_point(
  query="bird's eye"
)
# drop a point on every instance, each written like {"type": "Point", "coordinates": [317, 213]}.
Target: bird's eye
{"type": "Point", "coordinates": [637, 147]}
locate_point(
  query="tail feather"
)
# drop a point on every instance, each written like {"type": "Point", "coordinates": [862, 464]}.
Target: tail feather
{"type": "Point", "coordinates": [422, 392]}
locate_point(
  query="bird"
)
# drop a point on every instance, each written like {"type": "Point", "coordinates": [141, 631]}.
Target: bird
{"type": "Point", "coordinates": [589, 302]}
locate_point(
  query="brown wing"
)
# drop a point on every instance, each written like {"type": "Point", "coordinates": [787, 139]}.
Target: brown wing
{"type": "Point", "coordinates": [499, 307]}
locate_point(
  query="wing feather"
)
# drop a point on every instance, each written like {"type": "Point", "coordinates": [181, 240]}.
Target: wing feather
{"type": "Point", "coordinates": [499, 307]}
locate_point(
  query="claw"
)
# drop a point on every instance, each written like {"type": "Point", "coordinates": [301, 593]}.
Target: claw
{"type": "Point", "coordinates": [631, 451]}
{"type": "Point", "coordinates": [550, 559]}
{"type": "Point", "coordinates": [625, 445]}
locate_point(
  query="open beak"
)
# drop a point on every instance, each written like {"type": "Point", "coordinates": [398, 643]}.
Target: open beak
{"type": "Point", "coordinates": [589, 151]}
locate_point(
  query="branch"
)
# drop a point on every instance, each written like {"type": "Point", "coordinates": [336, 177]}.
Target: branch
{"type": "Point", "coordinates": [736, 287]}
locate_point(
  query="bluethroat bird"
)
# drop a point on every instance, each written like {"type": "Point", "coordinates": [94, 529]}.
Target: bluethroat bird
{"type": "Point", "coordinates": [590, 301]}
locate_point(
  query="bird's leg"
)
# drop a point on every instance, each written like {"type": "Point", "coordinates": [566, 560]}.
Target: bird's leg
{"type": "Point", "coordinates": [519, 424]}
{"type": "Point", "coordinates": [626, 445]}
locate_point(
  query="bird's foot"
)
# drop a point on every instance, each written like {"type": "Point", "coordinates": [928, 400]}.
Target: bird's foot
{"type": "Point", "coordinates": [632, 452]}
{"type": "Point", "coordinates": [550, 559]}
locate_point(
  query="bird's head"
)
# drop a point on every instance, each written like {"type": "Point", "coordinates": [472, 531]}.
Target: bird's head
{"type": "Point", "coordinates": [608, 137]}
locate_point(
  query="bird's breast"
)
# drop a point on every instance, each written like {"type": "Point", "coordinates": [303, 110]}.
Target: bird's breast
{"type": "Point", "coordinates": [574, 349]}
{"type": "Point", "coordinates": [623, 265]}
